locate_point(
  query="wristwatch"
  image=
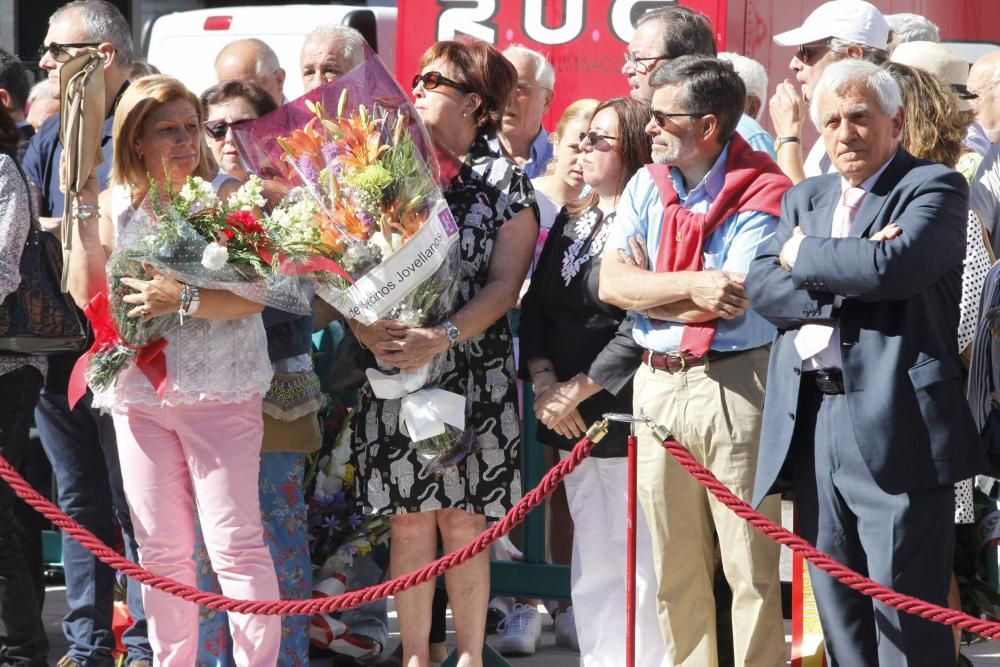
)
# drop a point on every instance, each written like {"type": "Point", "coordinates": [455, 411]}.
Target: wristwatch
{"type": "Point", "coordinates": [781, 141]}
{"type": "Point", "coordinates": [451, 331]}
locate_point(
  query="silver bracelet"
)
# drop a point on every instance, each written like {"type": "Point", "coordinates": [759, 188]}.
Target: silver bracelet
{"type": "Point", "coordinates": [85, 213]}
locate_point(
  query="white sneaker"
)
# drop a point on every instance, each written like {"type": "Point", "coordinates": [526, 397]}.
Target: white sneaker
{"type": "Point", "coordinates": [521, 631]}
{"type": "Point", "coordinates": [565, 629]}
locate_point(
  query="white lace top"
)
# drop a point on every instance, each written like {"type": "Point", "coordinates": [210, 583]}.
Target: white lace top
{"type": "Point", "coordinates": [207, 360]}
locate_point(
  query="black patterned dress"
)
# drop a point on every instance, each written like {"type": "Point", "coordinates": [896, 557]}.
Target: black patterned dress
{"type": "Point", "coordinates": [390, 477]}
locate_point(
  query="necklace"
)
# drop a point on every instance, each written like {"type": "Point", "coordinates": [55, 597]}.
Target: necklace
{"type": "Point", "coordinates": [591, 227]}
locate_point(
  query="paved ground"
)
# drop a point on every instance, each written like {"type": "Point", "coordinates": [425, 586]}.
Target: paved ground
{"type": "Point", "coordinates": [983, 654]}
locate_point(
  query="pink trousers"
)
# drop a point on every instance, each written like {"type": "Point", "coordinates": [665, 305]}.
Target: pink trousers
{"type": "Point", "coordinates": [209, 454]}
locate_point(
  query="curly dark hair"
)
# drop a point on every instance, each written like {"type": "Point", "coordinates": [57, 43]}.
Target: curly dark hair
{"type": "Point", "coordinates": [9, 135]}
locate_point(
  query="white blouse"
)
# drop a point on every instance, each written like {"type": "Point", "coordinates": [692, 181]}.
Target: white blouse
{"type": "Point", "coordinates": [207, 360]}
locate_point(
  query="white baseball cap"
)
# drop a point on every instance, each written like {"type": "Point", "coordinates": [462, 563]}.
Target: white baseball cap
{"type": "Point", "coordinates": [850, 20]}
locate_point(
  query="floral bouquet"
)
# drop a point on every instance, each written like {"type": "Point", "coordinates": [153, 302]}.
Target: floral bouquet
{"type": "Point", "coordinates": [194, 237]}
{"type": "Point", "coordinates": [361, 196]}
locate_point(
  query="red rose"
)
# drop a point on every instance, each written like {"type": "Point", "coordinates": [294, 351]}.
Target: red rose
{"type": "Point", "coordinates": [244, 222]}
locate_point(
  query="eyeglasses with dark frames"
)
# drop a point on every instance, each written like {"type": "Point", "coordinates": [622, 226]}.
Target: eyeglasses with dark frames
{"type": "Point", "coordinates": [808, 54]}
{"type": "Point", "coordinates": [661, 117]}
{"type": "Point", "coordinates": [217, 128]}
{"type": "Point", "coordinates": [59, 51]}
{"type": "Point", "coordinates": [594, 138]}
{"type": "Point", "coordinates": [640, 64]}
{"type": "Point", "coordinates": [432, 80]}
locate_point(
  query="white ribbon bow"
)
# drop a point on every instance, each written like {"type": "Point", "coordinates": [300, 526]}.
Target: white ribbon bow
{"type": "Point", "coordinates": [423, 413]}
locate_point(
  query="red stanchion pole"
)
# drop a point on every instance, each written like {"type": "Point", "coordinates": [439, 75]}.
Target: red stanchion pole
{"type": "Point", "coordinates": [630, 554]}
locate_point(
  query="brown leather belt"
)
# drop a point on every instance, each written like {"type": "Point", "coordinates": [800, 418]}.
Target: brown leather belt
{"type": "Point", "coordinates": [675, 362]}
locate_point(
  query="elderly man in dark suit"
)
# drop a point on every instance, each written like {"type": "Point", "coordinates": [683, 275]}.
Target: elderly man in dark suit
{"type": "Point", "coordinates": [864, 412]}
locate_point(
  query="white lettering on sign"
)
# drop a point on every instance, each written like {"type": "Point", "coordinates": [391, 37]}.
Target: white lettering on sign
{"type": "Point", "coordinates": [475, 18]}
{"type": "Point", "coordinates": [536, 30]}
{"type": "Point", "coordinates": [462, 17]}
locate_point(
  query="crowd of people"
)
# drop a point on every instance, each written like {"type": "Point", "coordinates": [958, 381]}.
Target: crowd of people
{"type": "Point", "coordinates": [801, 318]}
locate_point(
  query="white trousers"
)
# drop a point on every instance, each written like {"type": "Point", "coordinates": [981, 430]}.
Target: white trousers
{"type": "Point", "coordinates": [598, 495]}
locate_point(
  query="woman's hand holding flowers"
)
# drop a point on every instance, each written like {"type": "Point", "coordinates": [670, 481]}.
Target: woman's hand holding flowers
{"type": "Point", "coordinates": [157, 296]}
{"type": "Point", "coordinates": [410, 348]}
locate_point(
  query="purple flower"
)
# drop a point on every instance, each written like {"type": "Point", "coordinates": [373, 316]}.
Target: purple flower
{"type": "Point", "coordinates": [355, 521]}
{"type": "Point", "coordinates": [330, 151]}
{"type": "Point", "coordinates": [308, 171]}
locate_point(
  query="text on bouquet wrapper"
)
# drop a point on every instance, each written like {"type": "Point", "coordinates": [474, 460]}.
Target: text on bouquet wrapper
{"type": "Point", "coordinates": [371, 291]}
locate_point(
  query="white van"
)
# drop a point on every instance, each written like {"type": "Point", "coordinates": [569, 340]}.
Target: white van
{"type": "Point", "coordinates": [184, 44]}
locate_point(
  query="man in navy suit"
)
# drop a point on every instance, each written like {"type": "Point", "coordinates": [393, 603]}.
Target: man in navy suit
{"type": "Point", "coordinates": [864, 413]}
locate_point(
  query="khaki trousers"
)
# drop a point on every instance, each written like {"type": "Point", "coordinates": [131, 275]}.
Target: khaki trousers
{"type": "Point", "coordinates": [715, 411]}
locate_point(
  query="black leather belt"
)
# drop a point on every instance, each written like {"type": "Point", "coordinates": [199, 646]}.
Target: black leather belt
{"type": "Point", "coordinates": [827, 380]}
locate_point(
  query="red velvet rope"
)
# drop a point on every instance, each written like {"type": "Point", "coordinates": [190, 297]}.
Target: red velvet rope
{"type": "Point", "coordinates": [326, 605]}
{"type": "Point", "coordinates": [845, 575]}
{"type": "Point", "coordinates": [761, 523]}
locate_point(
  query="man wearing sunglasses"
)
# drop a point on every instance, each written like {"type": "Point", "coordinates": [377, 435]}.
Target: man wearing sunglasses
{"type": "Point", "coordinates": [80, 443]}
{"type": "Point", "coordinates": [522, 137]}
{"type": "Point", "coordinates": [835, 30]}
{"type": "Point", "coordinates": [686, 230]}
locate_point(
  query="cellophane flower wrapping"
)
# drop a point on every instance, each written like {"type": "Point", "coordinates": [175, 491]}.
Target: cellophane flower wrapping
{"type": "Point", "coordinates": [362, 211]}
{"type": "Point", "coordinates": [195, 238]}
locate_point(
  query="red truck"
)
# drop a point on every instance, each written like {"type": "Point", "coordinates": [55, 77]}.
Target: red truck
{"type": "Point", "coordinates": [586, 39]}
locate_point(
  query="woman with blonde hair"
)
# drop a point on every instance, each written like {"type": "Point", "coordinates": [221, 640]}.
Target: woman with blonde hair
{"type": "Point", "coordinates": [197, 446]}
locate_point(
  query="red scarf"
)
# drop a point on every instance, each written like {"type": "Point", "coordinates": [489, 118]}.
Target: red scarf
{"type": "Point", "coordinates": [753, 182]}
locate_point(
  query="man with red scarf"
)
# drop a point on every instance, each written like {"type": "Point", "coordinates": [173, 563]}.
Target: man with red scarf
{"type": "Point", "coordinates": [686, 231]}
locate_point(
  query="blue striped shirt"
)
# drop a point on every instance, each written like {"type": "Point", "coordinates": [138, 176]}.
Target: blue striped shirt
{"type": "Point", "coordinates": [730, 248]}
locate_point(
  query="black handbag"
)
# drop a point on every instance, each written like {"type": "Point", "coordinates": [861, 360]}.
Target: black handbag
{"type": "Point", "coordinates": [38, 317]}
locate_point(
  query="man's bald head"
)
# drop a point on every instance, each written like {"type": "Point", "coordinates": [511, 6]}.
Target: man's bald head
{"type": "Point", "coordinates": [253, 61]}
{"type": "Point", "coordinates": [984, 81]}
{"type": "Point", "coordinates": [328, 52]}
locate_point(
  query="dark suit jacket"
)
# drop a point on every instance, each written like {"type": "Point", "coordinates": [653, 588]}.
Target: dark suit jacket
{"type": "Point", "coordinates": [898, 324]}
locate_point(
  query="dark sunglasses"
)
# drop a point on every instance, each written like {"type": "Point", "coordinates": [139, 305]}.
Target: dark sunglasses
{"type": "Point", "coordinates": [432, 80]}
{"type": "Point", "coordinates": [808, 54]}
{"type": "Point", "coordinates": [59, 51]}
{"type": "Point", "coordinates": [217, 128]}
{"type": "Point", "coordinates": [661, 117]}
{"type": "Point", "coordinates": [593, 138]}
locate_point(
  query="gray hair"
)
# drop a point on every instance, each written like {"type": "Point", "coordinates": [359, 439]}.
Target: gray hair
{"type": "Point", "coordinates": [40, 91]}
{"type": "Point", "coordinates": [102, 22]}
{"type": "Point", "coordinates": [868, 53]}
{"type": "Point", "coordinates": [841, 75]}
{"type": "Point", "coordinates": [753, 74]}
{"type": "Point", "coordinates": [350, 43]}
{"type": "Point", "coordinates": [265, 63]}
{"type": "Point", "coordinates": [545, 74]}
{"type": "Point", "coordinates": [907, 27]}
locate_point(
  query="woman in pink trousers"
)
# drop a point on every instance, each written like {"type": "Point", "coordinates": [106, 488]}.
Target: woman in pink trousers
{"type": "Point", "coordinates": [196, 447]}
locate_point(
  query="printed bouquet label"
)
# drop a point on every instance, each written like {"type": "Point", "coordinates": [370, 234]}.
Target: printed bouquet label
{"type": "Point", "coordinates": [374, 295]}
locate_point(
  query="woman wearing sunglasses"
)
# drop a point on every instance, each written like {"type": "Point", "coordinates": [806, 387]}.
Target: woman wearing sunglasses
{"type": "Point", "coordinates": [579, 355]}
{"type": "Point", "coordinates": [291, 426]}
{"type": "Point", "coordinates": [460, 94]}
{"type": "Point", "coordinates": [197, 444]}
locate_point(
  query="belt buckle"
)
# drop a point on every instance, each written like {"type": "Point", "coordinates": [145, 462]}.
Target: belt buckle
{"type": "Point", "coordinates": [680, 356]}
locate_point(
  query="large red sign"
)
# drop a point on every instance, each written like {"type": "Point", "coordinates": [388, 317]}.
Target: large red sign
{"type": "Point", "coordinates": [584, 39]}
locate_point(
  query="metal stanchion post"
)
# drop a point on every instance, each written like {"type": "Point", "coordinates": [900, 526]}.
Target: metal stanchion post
{"type": "Point", "coordinates": [631, 512]}
{"type": "Point", "coordinates": [630, 553]}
